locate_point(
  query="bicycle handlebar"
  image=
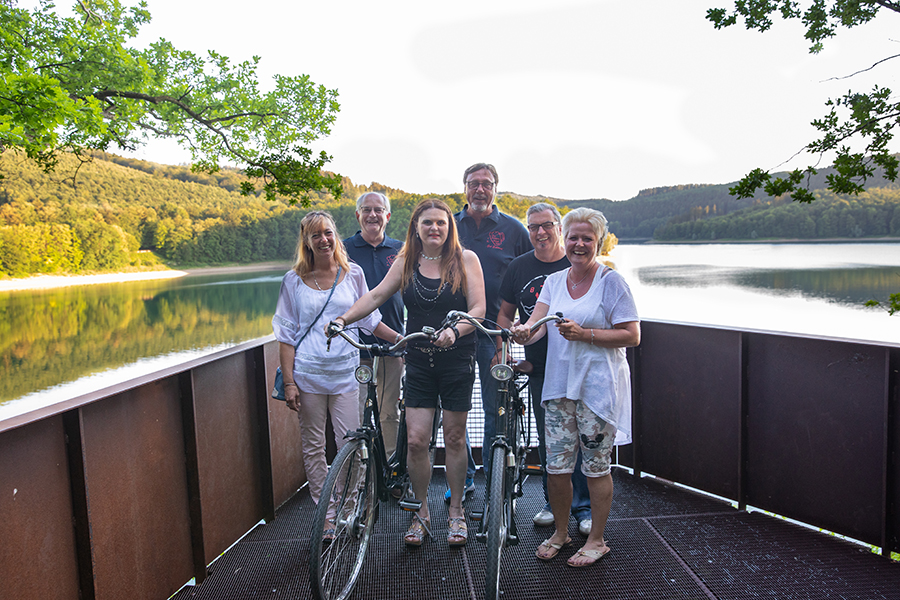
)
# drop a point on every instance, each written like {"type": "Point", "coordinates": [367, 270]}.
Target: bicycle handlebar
{"type": "Point", "coordinates": [455, 316]}
{"type": "Point", "coordinates": [377, 349]}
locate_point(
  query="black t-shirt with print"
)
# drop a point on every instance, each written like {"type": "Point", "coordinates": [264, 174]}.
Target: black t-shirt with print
{"type": "Point", "coordinates": [521, 286]}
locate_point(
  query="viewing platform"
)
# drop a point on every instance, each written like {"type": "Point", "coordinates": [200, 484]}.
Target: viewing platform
{"type": "Point", "coordinates": [134, 490]}
{"type": "Point", "coordinates": [667, 544]}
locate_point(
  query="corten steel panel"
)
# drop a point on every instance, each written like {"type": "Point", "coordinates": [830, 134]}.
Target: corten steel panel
{"type": "Point", "coordinates": [136, 482]}
{"type": "Point", "coordinates": [689, 416]}
{"type": "Point", "coordinates": [228, 454]}
{"type": "Point", "coordinates": [815, 432]}
{"type": "Point", "coordinates": [37, 541]}
{"type": "Point", "coordinates": [892, 532]}
{"type": "Point", "coordinates": [288, 473]}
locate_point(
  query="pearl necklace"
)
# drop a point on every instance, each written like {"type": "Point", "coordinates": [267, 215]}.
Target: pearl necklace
{"type": "Point", "coordinates": [426, 257]}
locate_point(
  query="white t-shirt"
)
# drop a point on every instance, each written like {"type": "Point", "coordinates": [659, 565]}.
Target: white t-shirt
{"type": "Point", "coordinates": [315, 370]}
{"type": "Point", "coordinates": [599, 377]}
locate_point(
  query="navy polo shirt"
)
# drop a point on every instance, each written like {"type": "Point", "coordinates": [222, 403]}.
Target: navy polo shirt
{"type": "Point", "coordinates": [499, 240]}
{"type": "Point", "coordinates": [375, 262]}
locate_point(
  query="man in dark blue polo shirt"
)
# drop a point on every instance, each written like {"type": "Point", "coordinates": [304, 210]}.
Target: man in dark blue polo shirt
{"type": "Point", "coordinates": [375, 252]}
{"type": "Point", "coordinates": [497, 239]}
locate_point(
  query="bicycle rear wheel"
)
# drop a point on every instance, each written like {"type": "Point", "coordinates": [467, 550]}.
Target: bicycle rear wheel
{"type": "Point", "coordinates": [497, 522]}
{"type": "Point", "coordinates": [348, 498]}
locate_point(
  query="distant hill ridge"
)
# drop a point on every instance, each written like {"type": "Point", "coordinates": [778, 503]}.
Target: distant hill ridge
{"type": "Point", "coordinates": [127, 213]}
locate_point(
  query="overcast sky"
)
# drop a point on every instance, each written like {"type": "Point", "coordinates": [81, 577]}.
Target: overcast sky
{"type": "Point", "coordinates": [568, 99]}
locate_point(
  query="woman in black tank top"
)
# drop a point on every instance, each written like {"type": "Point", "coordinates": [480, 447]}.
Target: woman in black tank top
{"type": "Point", "coordinates": [436, 275]}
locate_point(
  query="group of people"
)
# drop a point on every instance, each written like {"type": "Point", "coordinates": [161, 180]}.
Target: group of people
{"type": "Point", "coordinates": [491, 266]}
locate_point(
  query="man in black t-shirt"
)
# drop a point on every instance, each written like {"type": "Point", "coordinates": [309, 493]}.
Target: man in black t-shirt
{"type": "Point", "coordinates": [519, 290]}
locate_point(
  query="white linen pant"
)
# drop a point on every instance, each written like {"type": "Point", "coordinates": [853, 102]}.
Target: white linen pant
{"type": "Point", "coordinates": [314, 409]}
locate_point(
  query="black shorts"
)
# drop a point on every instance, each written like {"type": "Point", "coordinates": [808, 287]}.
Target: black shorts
{"type": "Point", "coordinates": [450, 375]}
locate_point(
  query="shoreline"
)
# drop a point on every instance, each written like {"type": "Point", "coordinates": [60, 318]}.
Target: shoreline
{"type": "Point", "coordinates": [46, 282]}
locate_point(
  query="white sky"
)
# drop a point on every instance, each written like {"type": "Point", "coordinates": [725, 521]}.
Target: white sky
{"type": "Point", "coordinates": [568, 99]}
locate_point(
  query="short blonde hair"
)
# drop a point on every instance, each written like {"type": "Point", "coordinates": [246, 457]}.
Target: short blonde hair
{"type": "Point", "coordinates": [592, 217]}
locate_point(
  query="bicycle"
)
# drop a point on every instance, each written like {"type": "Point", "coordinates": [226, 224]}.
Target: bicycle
{"type": "Point", "coordinates": [508, 450]}
{"type": "Point", "coordinates": [359, 479]}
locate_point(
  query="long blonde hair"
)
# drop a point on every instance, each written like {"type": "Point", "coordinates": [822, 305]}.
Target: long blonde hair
{"type": "Point", "coordinates": [312, 221]}
{"type": "Point", "coordinates": [452, 268]}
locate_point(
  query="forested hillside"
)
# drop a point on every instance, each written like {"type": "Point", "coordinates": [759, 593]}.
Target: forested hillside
{"type": "Point", "coordinates": [125, 214]}
{"type": "Point", "coordinates": [709, 212]}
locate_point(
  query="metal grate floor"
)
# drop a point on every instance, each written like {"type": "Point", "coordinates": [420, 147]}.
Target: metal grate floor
{"type": "Point", "coordinates": [666, 543]}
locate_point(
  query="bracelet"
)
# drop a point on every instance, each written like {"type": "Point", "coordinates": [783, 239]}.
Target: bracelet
{"type": "Point", "coordinates": [398, 338]}
{"type": "Point", "coordinates": [592, 337]}
{"type": "Point", "coordinates": [455, 332]}
{"type": "Point", "coordinates": [290, 383]}
{"type": "Point", "coordinates": [343, 321]}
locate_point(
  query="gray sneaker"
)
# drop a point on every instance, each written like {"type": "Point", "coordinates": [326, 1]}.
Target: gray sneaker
{"type": "Point", "coordinates": [584, 526]}
{"type": "Point", "coordinates": [543, 518]}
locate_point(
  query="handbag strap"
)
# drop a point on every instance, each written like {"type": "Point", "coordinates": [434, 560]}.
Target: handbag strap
{"type": "Point", "coordinates": [316, 320]}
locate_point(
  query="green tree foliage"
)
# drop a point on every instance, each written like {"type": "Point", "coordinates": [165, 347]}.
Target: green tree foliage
{"type": "Point", "coordinates": [867, 117]}
{"type": "Point", "coordinates": [74, 84]}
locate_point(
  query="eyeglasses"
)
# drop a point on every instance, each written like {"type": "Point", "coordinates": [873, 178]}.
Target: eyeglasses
{"type": "Point", "coordinates": [474, 185]}
{"type": "Point", "coordinates": [545, 226]}
{"type": "Point", "coordinates": [367, 210]}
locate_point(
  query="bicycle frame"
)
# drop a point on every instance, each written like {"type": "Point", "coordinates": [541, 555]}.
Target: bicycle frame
{"type": "Point", "coordinates": [391, 468]}
{"type": "Point", "coordinates": [359, 479]}
{"type": "Point", "coordinates": [506, 456]}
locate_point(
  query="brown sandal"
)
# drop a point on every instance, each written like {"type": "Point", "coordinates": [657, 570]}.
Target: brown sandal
{"type": "Point", "coordinates": [457, 531]}
{"type": "Point", "coordinates": [417, 531]}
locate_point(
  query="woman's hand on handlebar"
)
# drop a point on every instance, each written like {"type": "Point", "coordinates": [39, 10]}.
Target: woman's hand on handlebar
{"type": "Point", "coordinates": [445, 339]}
{"type": "Point", "coordinates": [521, 333]}
{"type": "Point", "coordinates": [334, 327]}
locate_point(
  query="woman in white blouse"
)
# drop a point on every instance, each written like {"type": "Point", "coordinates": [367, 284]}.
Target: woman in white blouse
{"type": "Point", "coordinates": [317, 381]}
{"type": "Point", "coordinates": [587, 388]}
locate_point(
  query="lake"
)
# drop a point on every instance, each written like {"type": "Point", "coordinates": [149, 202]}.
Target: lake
{"type": "Point", "coordinates": [60, 343]}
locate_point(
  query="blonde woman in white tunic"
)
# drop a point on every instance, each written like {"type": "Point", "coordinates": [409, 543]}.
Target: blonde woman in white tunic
{"type": "Point", "coordinates": [318, 382]}
{"type": "Point", "coordinates": [587, 386]}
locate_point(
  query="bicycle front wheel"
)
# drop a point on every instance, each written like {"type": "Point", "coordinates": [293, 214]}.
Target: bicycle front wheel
{"type": "Point", "coordinates": [497, 522]}
{"type": "Point", "coordinates": [348, 502]}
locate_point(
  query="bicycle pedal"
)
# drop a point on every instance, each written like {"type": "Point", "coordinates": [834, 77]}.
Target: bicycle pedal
{"type": "Point", "coordinates": [533, 470]}
{"type": "Point", "coordinates": [476, 515]}
{"type": "Point", "coordinates": [410, 504]}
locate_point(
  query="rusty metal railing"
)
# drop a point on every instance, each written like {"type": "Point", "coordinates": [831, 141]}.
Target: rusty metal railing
{"type": "Point", "coordinates": [131, 491]}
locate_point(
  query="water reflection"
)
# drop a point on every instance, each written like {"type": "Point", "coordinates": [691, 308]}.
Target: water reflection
{"type": "Point", "coordinates": [50, 337]}
{"type": "Point", "coordinates": [849, 286]}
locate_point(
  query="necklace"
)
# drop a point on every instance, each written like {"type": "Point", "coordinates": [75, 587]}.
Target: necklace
{"type": "Point", "coordinates": [426, 257]}
{"type": "Point", "coordinates": [316, 281]}
{"type": "Point", "coordinates": [575, 285]}
{"type": "Point", "coordinates": [424, 294]}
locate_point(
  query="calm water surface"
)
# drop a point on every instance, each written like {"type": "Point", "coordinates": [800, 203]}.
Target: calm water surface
{"type": "Point", "coordinates": [58, 344]}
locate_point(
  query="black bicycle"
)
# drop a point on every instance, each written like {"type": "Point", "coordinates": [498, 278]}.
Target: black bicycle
{"type": "Point", "coordinates": [507, 453]}
{"type": "Point", "coordinates": [360, 477]}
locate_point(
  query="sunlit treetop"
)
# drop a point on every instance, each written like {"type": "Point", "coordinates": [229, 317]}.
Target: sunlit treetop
{"type": "Point", "coordinates": [73, 84]}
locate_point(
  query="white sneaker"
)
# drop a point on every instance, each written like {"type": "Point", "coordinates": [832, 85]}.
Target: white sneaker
{"type": "Point", "coordinates": [584, 526]}
{"type": "Point", "coordinates": [543, 518]}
